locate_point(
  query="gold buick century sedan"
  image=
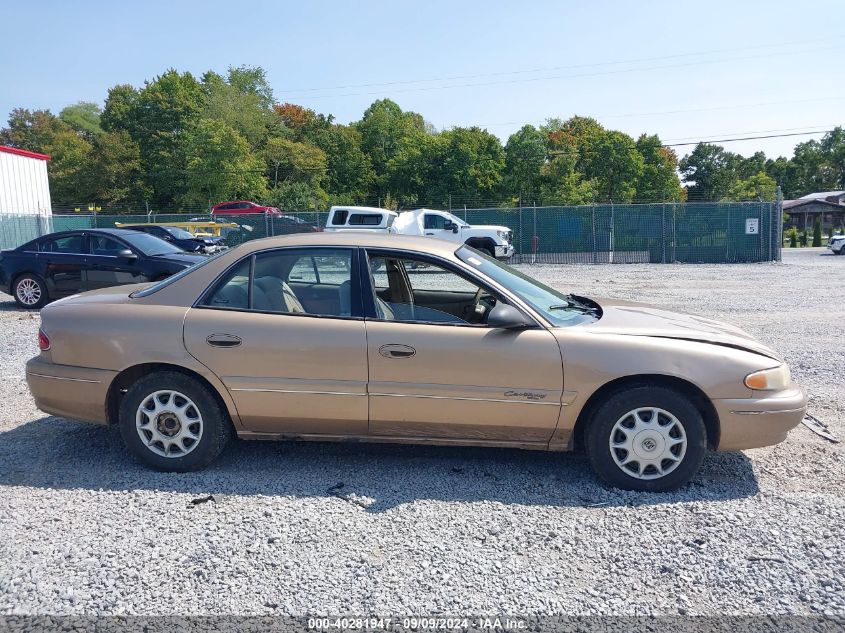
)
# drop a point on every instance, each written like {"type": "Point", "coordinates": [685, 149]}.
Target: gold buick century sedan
{"type": "Point", "coordinates": [386, 338]}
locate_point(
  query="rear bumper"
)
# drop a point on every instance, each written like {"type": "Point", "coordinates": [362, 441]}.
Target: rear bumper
{"type": "Point", "coordinates": [70, 392]}
{"type": "Point", "coordinates": [761, 421]}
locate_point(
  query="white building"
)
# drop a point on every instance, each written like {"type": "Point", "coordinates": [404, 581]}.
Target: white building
{"type": "Point", "coordinates": [25, 210]}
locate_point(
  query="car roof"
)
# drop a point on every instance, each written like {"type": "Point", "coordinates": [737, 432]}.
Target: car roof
{"type": "Point", "coordinates": [354, 238]}
{"type": "Point", "coordinates": [118, 232]}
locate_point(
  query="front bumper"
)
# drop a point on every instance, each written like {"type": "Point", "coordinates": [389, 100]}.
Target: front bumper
{"type": "Point", "coordinates": [836, 247]}
{"type": "Point", "coordinates": [504, 252]}
{"type": "Point", "coordinates": [763, 420]}
{"type": "Point", "coordinates": [70, 392]}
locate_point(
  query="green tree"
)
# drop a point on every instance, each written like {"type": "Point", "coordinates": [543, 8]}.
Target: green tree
{"type": "Point", "coordinates": [659, 179]}
{"type": "Point", "coordinates": [239, 102]}
{"type": "Point", "coordinates": [708, 171]}
{"type": "Point", "coordinates": [525, 155]}
{"type": "Point", "coordinates": [616, 168]}
{"type": "Point", "coordinates": [383, 128]}
{"type": "Point", "coordinates": [297, 196]}
{"type": "Point", "coordinates": [119, 112]}
{"type": "Point", "coordinates": [817, 232]}
{"type": "Point", "coordinates": [291, 161]}
{"type": "Point", "coordinates": [113, 170]}
{"type": "Point", "coordinates": [760, 186]}
{"type": "Point", "coordinates": [164, 115]}
{"type": "Point", "coordinates": [83, 118]}
{"type": "Point", "coordinates": [560, 180]}
{"type": "Point", "coordinates": [220, 165]}
{"type": "Point", "coordinates": [468, 166]}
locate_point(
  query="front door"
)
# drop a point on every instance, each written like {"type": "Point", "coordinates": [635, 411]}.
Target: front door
{"type": "Point", "coordinates": [438, 371]}
{"type": "Point", "coordinates": [293, 359]}
{"type": "Point", "coordinates": [105, 266]}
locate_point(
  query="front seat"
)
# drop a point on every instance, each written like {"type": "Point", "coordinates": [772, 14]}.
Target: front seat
{"type": "Point", "coordinates": [275, 295]}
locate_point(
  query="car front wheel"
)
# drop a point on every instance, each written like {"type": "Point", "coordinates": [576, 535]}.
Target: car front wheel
{"type": "Point", "coordinates": [646, 438]}
{"type": "Point", "coordinates": [30, 291]}
{"type": "Point", "coordinates": [171, 422]}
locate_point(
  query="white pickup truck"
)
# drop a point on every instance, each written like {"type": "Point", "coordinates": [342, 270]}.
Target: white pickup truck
{"type": "Point", "coordinates": [496, 241]}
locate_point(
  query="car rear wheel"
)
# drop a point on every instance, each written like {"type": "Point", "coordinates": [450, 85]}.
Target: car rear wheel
{"type": "Point", "coordinates": [171, 422]}
{"type": "Point", "coordinates": [30, 291]}
{"type": "Point", "coordinates": [646, 438]}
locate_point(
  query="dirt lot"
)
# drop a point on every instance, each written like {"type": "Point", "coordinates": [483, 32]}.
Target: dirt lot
{"type": "Point", "coordinates": [426, 530]}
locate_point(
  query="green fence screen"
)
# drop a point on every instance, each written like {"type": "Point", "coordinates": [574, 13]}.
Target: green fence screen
{"type": "Point", "coordinates": [657, 233]}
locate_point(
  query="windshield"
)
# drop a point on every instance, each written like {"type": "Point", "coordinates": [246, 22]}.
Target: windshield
{"type": "Point", "coordinates": [146, 292]}
{"type": "Point", "coordinates": [457, 220]}
{"type": "Point", "coordinates": [560, 309]}
{"type": "Point", "coordinates": [179, 234]}
{"type": "Point", "coordinates": [150, 244]}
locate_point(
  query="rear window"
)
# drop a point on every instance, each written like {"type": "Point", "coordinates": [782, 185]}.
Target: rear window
{"type": "Point", "coordinates": [339, 217]}
{"type": "Point", "coordinates": [365, 219]}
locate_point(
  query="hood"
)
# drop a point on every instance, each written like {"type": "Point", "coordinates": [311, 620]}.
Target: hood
{"type": "Point", "coordinates": [639, 319]}
{"type": "Point", "coordinates": [181, 258]}
{"type": "Point", "coordinates": [488, 227]}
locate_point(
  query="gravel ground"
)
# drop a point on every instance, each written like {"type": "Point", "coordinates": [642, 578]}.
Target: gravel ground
{"type": "Point", "coordinates": [413, 530]}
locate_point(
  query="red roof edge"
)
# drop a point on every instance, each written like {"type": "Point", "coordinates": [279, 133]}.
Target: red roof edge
{"type": "Point", "coordinates": [23, 152]}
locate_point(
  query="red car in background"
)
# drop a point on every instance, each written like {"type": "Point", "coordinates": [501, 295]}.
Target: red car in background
{"type": "Point", "coordinates": [281, 224]}
{"type": "Point", "coordinates": [238, 207]}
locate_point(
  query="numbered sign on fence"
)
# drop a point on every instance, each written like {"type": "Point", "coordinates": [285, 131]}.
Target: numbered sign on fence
{"type": "Point", "coordinates": [752, 226]}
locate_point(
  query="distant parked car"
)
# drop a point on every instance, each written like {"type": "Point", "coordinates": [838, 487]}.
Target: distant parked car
{"type": "Point", "coordinates": [288, 224]}
{"type": "Point", "coordinates": [180, 237]}
{"type": "Point", "coordinates": [62, 264]}
{"type": "Point", "coordinates": [837, 244]}
{"type": "Point", "coordinates": [241, 207]}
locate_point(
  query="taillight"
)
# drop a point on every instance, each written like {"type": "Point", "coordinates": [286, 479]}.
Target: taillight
{"type": "Point", "coordinates": [43, 341]}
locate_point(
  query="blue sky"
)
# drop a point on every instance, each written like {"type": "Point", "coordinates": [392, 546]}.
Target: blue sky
{"type": "Point", "coordinates": [686, 71]}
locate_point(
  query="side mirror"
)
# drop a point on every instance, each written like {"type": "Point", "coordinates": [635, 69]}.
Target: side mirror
{"type": "Point", "coordinates": [167, 238]}
{"type": "Point", "coordinates": [127, 254]}
{"type": "Point", "coordinates": [455, 228]}
{"type": "Point", "coordinates": [506, 317]}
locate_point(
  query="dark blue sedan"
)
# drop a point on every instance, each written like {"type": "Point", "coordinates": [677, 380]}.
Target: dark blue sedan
{"type": "Point", "coordinates": [62, 264]}
{"type": "Point", "coordinates": [179, 237]}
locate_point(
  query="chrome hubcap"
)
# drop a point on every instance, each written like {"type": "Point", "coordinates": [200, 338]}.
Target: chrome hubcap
{"type": "Point", "coordinates": [648, 443]}
{"type": "Point", "coordinates": [169, 423]}
{"type": "Point", "coordinates": [28, 291]}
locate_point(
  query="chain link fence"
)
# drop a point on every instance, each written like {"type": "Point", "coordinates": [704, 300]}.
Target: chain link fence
{"type": "Point", "coordinates": [593, 234]}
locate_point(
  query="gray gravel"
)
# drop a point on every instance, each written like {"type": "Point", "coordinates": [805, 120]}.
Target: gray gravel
{"type": "Point", "coordinates": [85, 530]}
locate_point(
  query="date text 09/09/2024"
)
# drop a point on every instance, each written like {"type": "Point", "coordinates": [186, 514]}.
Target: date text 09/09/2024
{"type": "Point", "coordinates": [421, 623]}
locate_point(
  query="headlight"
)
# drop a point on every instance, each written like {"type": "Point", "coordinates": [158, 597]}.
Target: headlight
{"type": "Point", "coordinates": [773, 379]}
{"type": "Point", "coordinates": [502, 234]}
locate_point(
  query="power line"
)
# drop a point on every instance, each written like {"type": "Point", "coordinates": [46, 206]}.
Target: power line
{"type": "Point", "coordinates": [682, 111]}
{"type": "Point", "coordinates": [750, 138]}
{"type": "Point", "coordinates": [778, 45]}
{"type": "Point", "coordinates": [572, 76]}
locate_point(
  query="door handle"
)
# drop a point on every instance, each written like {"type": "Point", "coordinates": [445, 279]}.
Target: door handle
{"type": "Point", "coordinates": [223, 340]}
{"type": "Point", "coordinates": [429, 233]}
{"type": "Point", "coordinates": [394, 350]}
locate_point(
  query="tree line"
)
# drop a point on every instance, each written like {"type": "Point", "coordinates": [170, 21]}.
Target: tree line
{"type": "Point", "coordinates": [179, 140]}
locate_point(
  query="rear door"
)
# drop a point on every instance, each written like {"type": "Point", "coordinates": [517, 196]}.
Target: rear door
{"type": "Point", "coordinates": [62, 261]}
{"type": "Point", "coordinates": [294, 364]}
{"type": "Point", "coordinates": [106, 267]}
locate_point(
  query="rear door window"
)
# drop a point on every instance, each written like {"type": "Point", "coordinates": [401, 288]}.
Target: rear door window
{"type": "Point", "coordinates": [67, 244]}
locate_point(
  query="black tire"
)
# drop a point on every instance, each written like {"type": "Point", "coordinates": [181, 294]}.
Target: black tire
{"type": "Point", "coordinates": [216, 426]}
{"type": "Point", "coordinates": [21, 296]}
{"type": "Point", "coordinates": [605, 418]}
